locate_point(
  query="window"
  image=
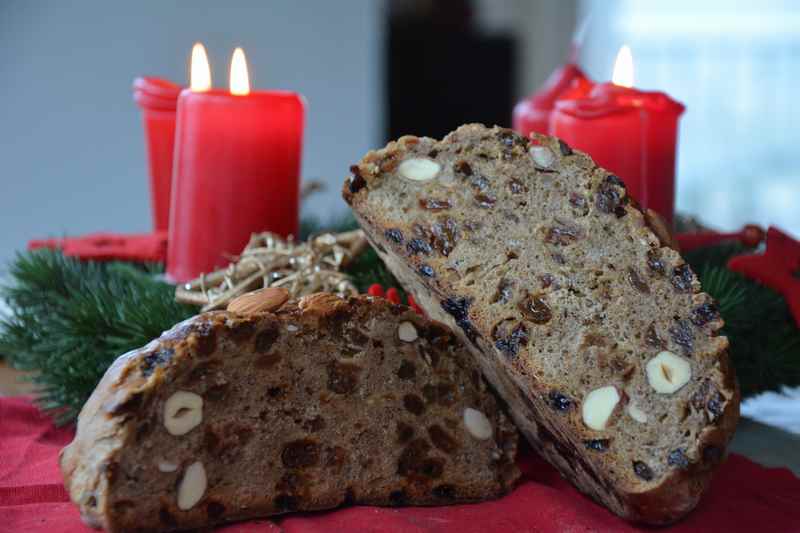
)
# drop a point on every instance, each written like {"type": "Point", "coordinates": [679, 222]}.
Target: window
{"type": "Point", "coordinates": [736, 67]}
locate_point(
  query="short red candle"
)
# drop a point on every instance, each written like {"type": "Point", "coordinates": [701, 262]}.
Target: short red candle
{"type": "Point", "coordinates": [632, 133]}
{"type": "Point", "coordinates": [533, 113]}
{"type": "Point", "coordinates": [158, 99]}
{"type": "Point", "coordinates": [236, 172]}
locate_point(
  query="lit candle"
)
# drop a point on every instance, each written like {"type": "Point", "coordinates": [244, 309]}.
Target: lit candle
{"type": "Point", "coordinates": [533, 113]}
{"type": "Point", "coordinates": [236, 169]}
{"type": "Point", "coordinates": [630, 132]}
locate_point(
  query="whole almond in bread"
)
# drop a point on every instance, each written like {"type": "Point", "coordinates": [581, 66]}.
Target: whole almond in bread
{"type": "Point", "coordinates": [596, 334]}
{"type": "Point", "coordinates": [282, 406]}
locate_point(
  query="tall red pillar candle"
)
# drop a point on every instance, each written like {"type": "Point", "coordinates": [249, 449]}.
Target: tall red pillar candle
{"type": "Point", "coordinates": [236, 172]}
{"type": "Point", "coordinates": [632, 133]}
{"type": "Point", "coordinates": [533, 113]}
{"type": "Point", "coordinates": [158, 99]}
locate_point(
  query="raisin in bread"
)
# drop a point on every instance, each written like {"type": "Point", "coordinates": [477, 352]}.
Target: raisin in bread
{"type": "Point", "coordinates": [595, 333]}
{"type": "Point", "coordinates": [326, 402]}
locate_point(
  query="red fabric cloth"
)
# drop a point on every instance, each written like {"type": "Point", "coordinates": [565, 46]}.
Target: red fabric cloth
{"type": "Point", "coordinates": [110, 246]}
{"type": "Point", "coordinates": [744, 497]}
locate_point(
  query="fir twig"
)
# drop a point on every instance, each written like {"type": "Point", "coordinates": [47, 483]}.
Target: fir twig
{"type": "Point", "coordinates": [764, 340]}
{"type": "Point", "coordinates": [69, 320]}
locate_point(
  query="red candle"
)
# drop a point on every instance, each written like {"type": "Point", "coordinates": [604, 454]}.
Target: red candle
{"type": "Point", "coordinates": [533, 113]}
{"type": "Point", "coordinates": [236, 172]}
{"type": "Point", "coordinates": [158, 99]}
{"type": "Point", "coordinates": [629, 132]}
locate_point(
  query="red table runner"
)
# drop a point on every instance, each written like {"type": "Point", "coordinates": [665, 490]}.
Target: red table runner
{"type": "Point", "coordinates": [744, 497]}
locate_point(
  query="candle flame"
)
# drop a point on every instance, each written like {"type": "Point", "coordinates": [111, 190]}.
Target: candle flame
{"type": "Point", "coordinates": [623, 68]}
{"type": "Point", "coordinates": [240, 79]}
{"type": "Point", "coordinates": [199, 71]}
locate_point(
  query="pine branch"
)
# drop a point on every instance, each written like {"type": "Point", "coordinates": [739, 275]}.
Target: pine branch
{"type": "Point", "coordinates": [71, 319]}
{"type": "Point", "coordinates": [764, 340]}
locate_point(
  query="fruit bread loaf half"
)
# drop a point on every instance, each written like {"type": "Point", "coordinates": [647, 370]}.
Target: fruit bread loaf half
{"type": "Point", "coordinates": [595, 333]}
{"type": "Point", "coordinates": [311, 405]}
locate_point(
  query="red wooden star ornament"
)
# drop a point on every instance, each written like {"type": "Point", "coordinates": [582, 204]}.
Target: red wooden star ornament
{"type": "Point", "coordinates": [778, 268]}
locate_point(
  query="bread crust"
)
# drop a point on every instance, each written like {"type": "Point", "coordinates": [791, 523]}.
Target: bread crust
{"type": "Point", "coordinates": [133, 389]}
{"type": "Point", "coordinates": [680, 489]}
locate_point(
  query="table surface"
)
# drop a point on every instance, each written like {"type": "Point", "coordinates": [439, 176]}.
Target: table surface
{"type": "Point", "coordinates": [767, 445]}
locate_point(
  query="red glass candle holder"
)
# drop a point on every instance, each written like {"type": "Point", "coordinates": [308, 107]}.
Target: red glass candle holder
{"type": "Point", "coordinates": [533, 113]}
{"type": "Point", "coordinates": [631, 133]}
{"type": "Point", "coordinates": [236, 172]}
{"type": "Point", "coordinates": [158, 100]}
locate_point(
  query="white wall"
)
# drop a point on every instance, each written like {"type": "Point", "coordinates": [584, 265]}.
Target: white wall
{"type": "Point", "coordinates": [72, 157]}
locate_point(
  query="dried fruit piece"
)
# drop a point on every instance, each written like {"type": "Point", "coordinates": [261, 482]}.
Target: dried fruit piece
{"type": "Point", "coordinates": [404, 432]}
{"type": "Point", "coordinates": [708, 399]}
{"type": "Point", "coordinates": [637, 282]}
{"type": "Point", "coordinates": [667, 372]}
{"type": "Point", "coordinates": [562, 234]}
{"type": "Point", "coordinates": [516, 187]}
{"type": "Point", "coordinates": [559, 401]}
{"type": "Point", "coordinates": [394, 235]}
{"type": "Point", "coordinates": [642, 470]}
{"type": "Point", "coordinates": [445, 236]}
{"type": "Point", "coordinates": [442, 439]}
{"type": "Point", "coordinates": [462, 167]}
{"type": "Point", "coordinates": [678, 459]}
{"type": "Point", "coordinates": [486, 201]}
{"type": "Point", "coordinates": [682, 277]}
{"type": "Point", "coordinates": [654, 262]}
{"type": "Point", "coordinates": [407, 370]}
{"type": "Point", "coordinates": [426, 271]}
{"type": "Point", "coordinates": [683, 335]}
{"type": "Point", "coordinates": [598, 445]}
{"type": "Point", "coordinates": [356, 182]}
{"type": "Point", "coordinates": [509, 336]}
{"type": "Point", "coordinates": [608, 198]}
{"type": "Point", "coordinates": [154, 360]}
{"type": "Point", "coordinates": [301, 453]}
{"type": "Point", "coordinates": [445, 492]}
{"type": "Point", "coordinates": [704, 314]}
{"type": "Point", "coordinates": [458, 308]}
{"type": "Point", "coordinates": [652, 338]}
{"type": "Point", "coordinates": [413, 461]}
{"type": "Point", "coordinates": [479, 183]}
{"type": "Point", "coordinates": [343, 377]}
{"type": "Point", "coordinates": [413, 404]}
{"type": "Point", "coordinates": [536, 309]}
{"type": "Point", "coordinates": [419, 246]}
{"type": "Point", "coordinates": [578, 201]}
{"type": "Point", "coordinates": [434, 204]}
{"type": "Point", "coordinates": [504, 291]}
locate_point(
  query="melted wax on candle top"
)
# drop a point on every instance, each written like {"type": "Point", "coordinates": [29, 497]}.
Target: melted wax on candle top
{"type": "Point", "coordinates": [606, 99]}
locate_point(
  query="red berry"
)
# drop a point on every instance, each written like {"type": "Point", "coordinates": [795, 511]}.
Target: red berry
{"type": "Point", "coordinates": [393, 296]}
{"type": "Point", "coordinates": [375, 290]}
{"type": "Point", "coordinates": [751, 236]}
